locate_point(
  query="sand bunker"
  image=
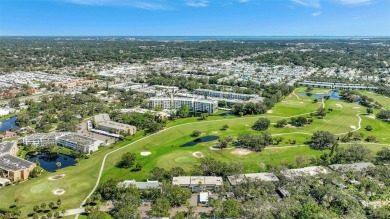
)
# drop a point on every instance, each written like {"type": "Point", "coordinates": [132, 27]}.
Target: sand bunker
{"type": "Point", "coordinates": [372, 116]}
{"type": "Point", "coordinates": [58, 191]}
{"type": "Point", "coordinates": [270, 111]}
{"type": "Point", "coordinates": [146, 153]}
{"type": "Point", "coordinates": [241, 151]}
{"type": "Point", "coordinates": [56, 177]}
{"type": "Point", "coordinates": [339, 105]}
{"type": "Point", "coordinates": [353, 127]}
{"type": "Point", "coordinates": [198, 154]}
{"type": "Point", "coordinates": [355, 107]}
{"type": "Point", "coordinates": [214, 132]}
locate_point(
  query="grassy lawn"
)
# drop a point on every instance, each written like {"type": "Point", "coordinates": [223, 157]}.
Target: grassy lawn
{"type": "Point", "coordinates": [166, 151]}
{"type": "Point", "coordinates": [385, 101]}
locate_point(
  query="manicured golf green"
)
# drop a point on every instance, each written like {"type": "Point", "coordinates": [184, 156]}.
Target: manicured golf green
{"type": "Point", "coordinates": [166, 150]}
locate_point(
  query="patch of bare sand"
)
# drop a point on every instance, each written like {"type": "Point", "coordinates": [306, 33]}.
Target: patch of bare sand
{"type": "Point", "coordinates": [198, 154]}
{"type": "Point", "coordinates": [58, 191]}
{"type": "Point", "coordinates": [270, 111]}
{"type": "Point", "coordinates": [56, 177]}
{"type": "Point", "coordinates": [241, 151]}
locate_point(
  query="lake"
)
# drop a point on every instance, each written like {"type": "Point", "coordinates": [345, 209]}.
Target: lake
{"type": "Point", "coordinates": [7, 124]}
{"type": "Point", "coordinates": [334, 95]}
{"type": "Point", "coordinates": [200, 140]}
{"type": "Point", "coordinates": [48, 162]}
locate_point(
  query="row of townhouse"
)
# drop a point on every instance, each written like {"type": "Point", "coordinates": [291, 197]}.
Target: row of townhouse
{"type": "Point", "coordinates": [193, 104]}
{"type": "Point", "coordinates": [205, 184]}
{"type": "Point", "coordinates": [65, 139]}
{"type": "Point", "coordinates": [337, 86]}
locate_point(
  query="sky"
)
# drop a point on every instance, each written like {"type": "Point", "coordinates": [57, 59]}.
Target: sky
{"type": "Point", "coordinates": [195, 17]}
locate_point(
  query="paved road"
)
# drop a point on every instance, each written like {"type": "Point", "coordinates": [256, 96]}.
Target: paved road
{"type": "Point", "coordinates": [75, 211]}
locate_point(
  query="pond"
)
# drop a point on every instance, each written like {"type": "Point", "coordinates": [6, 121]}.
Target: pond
{"type": "Point", "coordinates": [48, 161]}
{"type": "Point", "coordinates": [226, 114]}
{"type": "Point", "coordinates": [200, 140]}
{"type": "Point", "coordinates": [8, 124]}
{"type": "Point", "coordinates": [334, 95]}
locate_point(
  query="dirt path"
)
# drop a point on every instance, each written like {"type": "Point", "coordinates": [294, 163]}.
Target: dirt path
{"type": "Point", "coordinates": [296, 95]}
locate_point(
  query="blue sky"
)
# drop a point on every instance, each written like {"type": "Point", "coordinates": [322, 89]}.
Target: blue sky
{"type": "Point", "coordinates": [195, 17]}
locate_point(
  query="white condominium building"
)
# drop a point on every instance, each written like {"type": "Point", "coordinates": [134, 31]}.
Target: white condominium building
{"type": "Point", "coordinates": [79, 142]}
{"type": "Point", "coordinates": [201, 105]}
{"type": "Point", "coordinates": [65, 139]}
{"type": "Point", "coordinates": [42, 139]}
{"type": "Point", "coordinates": [224, 95]}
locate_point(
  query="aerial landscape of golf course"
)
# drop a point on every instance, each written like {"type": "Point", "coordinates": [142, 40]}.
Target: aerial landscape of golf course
{"type": "Point", "coordinates": [168, 148]}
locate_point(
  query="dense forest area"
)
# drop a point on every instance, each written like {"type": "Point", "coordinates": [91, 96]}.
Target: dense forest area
{"type": "Point", "coordinates": [366, 55]}
{"type": "Point", "coordinates": [54, 52]}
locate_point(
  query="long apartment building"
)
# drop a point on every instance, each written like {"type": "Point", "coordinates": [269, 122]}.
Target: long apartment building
{"type": "Point", "coordinates": [65, 139]}
{"type": "Point", "coordinates": [104, 123]}
{"type": "Point", "coordinates": [338, 86]}
{"type": "Point", "coordinates": [42, 139]}
{"type": "Point", "coordinates": [193, 104]}
{"type": "Point", "coordinates": [224, 95]}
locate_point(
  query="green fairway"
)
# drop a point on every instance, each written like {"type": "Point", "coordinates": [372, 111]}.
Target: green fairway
{"type": "Point", "coordinates": [166, 150]}
{"type": "Point", "coordinates": [383, 100]}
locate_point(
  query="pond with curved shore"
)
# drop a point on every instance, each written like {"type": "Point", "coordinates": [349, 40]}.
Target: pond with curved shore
{"type": "Point", "coordinates": [48, 161]}
{"type": "Point", "coordinates": [200, 140]}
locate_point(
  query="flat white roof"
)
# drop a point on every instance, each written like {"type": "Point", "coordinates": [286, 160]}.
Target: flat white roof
{"type": "Point", "coordinates": [306, 171]}
{"type": "Point", "coordinates": [237, 179]}
{"type": "Point", "coordinates": [195, 180]}
{"type": "Point", "coordinates": [203, 197]}
{"type": "Point", "coordinates": [353, 166]}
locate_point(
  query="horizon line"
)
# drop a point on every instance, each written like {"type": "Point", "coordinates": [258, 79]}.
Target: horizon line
{"type": "Point", "coordinates": [194, 35]}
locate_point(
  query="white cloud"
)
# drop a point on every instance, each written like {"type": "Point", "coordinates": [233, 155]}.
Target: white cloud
{"type": "Point", "coordinates": [143, 4]}
{"type": "Point", "coordinates": [308, 3]}
{"type": "Point", "coordinates": [315, 14]}
{"type": "Point", "coordinates": [198, 3]}
{"type": "Point", "coordinates": [355, 2]}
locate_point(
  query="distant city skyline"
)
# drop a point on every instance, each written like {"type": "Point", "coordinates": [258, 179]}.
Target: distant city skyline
{"type": "Point", "coordinates": [195, 18]}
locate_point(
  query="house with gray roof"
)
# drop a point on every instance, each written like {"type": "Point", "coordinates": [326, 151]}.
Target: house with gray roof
{"type": "Point", "coordinates": [241, 178]}
{"type": "Point", "coordinates": [140, 185]}
{"type": "Point", "coordinates": [351, 167]}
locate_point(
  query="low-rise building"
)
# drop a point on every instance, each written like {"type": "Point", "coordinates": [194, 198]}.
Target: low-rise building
{"type": "Point", "coordinates": [199, 183]}
{"type": "Point", "coordinates": [79, 142]}
{"type": "Point", "coordinates": [65, 139]}
{"type": "Point", "coordinates": [103, 122]}
{"type": "Point", "coordinates": [140, 185]}
{"type": "Point", "coordinates": [337, 86]}
{"type": "Point", "coordinates": [203, 197]}
{"type": "Point", "coordinates": [42, 139]}
{"type": "Point", "coordinates": [7, 134]}
{"type": "Point", "coordinates": [13, 167]}
{"type": "Point", "coordinates": [237, 179]}
{"type": "Point", "coordinates": [306, 171]}
{"type": "Point", "coordinates": [9, 147]}
{"type": "Point", "coordinates": [351, 167]}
